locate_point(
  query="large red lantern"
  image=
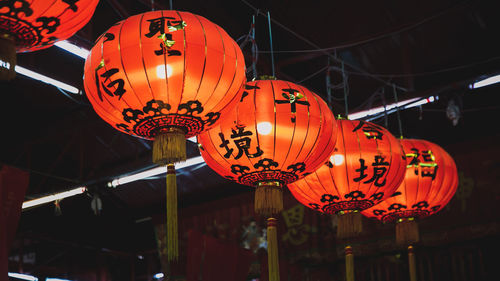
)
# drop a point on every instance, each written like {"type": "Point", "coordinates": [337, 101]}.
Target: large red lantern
{"type": "Point", "coordinates": [27, 26]}
{"type": "Point", "coordinates": [366, 166]}
{"type": "Point", "coordinates": [164, 76]}
{"type": "Point", "coordinates": [278, 133]}
{"type": "Point", "coordinates": [430, 182]}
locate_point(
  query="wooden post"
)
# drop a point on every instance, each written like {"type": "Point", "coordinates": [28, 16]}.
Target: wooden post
{"type": "Point", "coordinates": [412, 265]}
{"type": "Point", "coordinates": [349, 264]}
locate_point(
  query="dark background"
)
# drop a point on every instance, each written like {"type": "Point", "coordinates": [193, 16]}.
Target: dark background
{"type": "Point", "coordinates": [423, 47]}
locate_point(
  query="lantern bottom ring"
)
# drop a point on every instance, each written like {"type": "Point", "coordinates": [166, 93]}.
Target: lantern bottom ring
{"type": "Point", "coordinates": [254, 178]}
{"type": "Point", "coordinates": [23, 33]}
{"type": "Point", "coordinates": [347, 206]}
{"type": "Point", "coordinates": [396, 216]}
{"type": "Point", "coordinates": [151, 126]}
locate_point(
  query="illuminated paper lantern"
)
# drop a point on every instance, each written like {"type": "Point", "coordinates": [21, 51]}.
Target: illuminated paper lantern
{"type": "Point", "coordinates": [27, 26]}
{"type": "Point", "coordinates": [278, 133]}
{"type": "Point", "coordinates": [164, 76]}
{"type": "Point", "coordinates": [430, 182]}
{"type": "Point", "coordinates": [366, 166]}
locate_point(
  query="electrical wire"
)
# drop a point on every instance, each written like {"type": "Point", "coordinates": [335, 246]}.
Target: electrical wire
{"type": "Point", "coordinates": [313, 74]}
{"type": "Point", "coordinates": [317, 47]}
{"type": "Point", "coordinates": [400, 75]}
{"type": "Point", "coordinates": [401, 29]}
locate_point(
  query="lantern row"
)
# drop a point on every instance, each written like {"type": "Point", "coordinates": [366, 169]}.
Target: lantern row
{"type": "Point", "coordinates": [169, 75]}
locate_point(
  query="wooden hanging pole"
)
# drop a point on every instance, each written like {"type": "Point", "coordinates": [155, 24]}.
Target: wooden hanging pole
{"type": "Point", "coordinates": [349, 263]}
{"type": "Point", "coordinates": [412, 264]}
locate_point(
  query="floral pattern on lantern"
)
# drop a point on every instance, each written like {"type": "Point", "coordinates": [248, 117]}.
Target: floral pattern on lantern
{"type": "Point", "coordinates": [279, 131]}
{"type": "Point", "coordinates": [366, 167]}
{"type": "Point", "coordinates": [163, 69]}
{"type": "Point", "coordinates": [38, 24]}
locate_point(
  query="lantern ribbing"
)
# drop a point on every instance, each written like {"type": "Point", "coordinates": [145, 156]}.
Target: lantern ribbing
{"type": "Point", "coordinates": [164, 76]}
{"type": "Point", "coordinates": [27, 26]}
{"type": "Point", "coordinates": [277, 133]}
{"type": "Point", "coordinates": [430, 182]}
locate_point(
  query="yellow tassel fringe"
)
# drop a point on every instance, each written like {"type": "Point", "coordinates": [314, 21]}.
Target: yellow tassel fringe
{"type": "Point", "coordinates": [349, 225]}
{"type": "Point", "coordinates": [169, 147]}
{"type": "Point", "coordinates": [407, 232]}
{"type": "Point", "coordinates": [268, 199]}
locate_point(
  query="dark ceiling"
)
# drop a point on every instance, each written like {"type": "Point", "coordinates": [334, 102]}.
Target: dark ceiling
{"type": "Point", "coordinates": [423, 47]}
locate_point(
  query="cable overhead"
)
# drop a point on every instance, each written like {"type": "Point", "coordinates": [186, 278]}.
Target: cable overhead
{"type": "Point", "coordinates": [402, 75]}
{"type": "Point", "coordinates": [397, 112]}
{"type": "Point", "coordinates": [398, 30]}
{"type": "Point", "coordinates": [319, 48]}
{"type": "Point", "coordinates": [271, 43]}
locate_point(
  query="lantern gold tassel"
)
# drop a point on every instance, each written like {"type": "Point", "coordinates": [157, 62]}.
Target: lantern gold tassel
{"type": "Point", "coordinates": [407, 232]}
{"type": "Point", "coordinates": [272, 250]}
{"type": "Point", "coordinates": [172, 235]}
{"type": "Point", "coordinates": [169, 147]}
{"type": "Point", "coordinates": [349, 263]}
{"type": "Point", "coordinates": [349, 225]}
{"type": "Point", "coordinates": [412, 264]}
{"type": "Point", "coordinates": [268, 198]}
{"type": "Point", "coordinates": [8, 58]}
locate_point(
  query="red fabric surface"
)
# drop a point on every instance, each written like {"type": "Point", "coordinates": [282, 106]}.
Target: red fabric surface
{"type": "Point", "coordinates": [213, 259]}
{"type": "Point", "coordinates": [13, 185]}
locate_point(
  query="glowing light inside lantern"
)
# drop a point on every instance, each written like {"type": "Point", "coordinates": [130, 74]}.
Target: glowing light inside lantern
{"type": "Point", "coordinates": [337, 159]}
{"type": "Point", "coordinates": [264, 128]}
{"type": "Point", "coordinates": [160, 71]}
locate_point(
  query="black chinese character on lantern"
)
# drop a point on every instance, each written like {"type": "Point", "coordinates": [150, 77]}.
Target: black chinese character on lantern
{"type": "Point", "coordinates": [113, 88]}
{"type": "Point", "coordinates": [72, 4]}
{"type": "Point", "coordinates": [379, 171]}
{"type": "Point", "coordinates": [428, 168]}
{"type": "Point", "coordinates": [370, 130]}
{"type": "Point", "coordinates": [242, 141]}
{"type": "Point", "coordinates": [157, 26]}
{"type": "Point", "coordinates": [292, 97]}
{"type": "Point", "coordinates": [414, 159]}
{"type": "Point", "coordinates": [361, 170]}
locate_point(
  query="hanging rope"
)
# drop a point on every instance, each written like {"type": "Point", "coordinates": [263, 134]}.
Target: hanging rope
{"type": "Point", "coordinates": [344, 78]}
{"type": "Point", "coordinates": [271, 43]}
{"type": "Point", "coordinates": [328, 88]}
{"type": "Point", "coordinates": [397, 111]}
{"type": "Point", "coordinates": [384, 104]}
{"type": "Point", "coordinates": [255, 50]}
{"type": "Point", "coordinates": [250, 38]}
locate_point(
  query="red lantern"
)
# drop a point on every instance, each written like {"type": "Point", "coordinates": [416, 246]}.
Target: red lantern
{"type": "Point", "coordinates": [27, 26]}
{"type": "Point", "coordinates": [430, 182]}
{"type": "Point", "coordinates": [278, 133]}
{"type": "Point", "coordinates": [366, 167]}
{"type": "Point", "coordinates": [164, 76]}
